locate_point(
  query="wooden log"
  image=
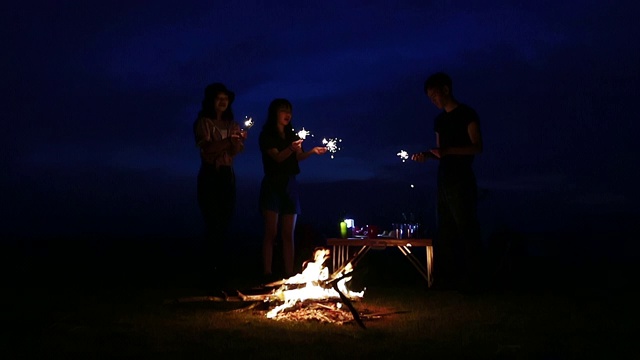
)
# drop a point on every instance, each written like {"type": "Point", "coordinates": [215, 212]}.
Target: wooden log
{"type": "Point", "coordinates": [258, 297]}
{"type": "Point", "coordinates": [347, 302]}
{"type": "Point", "coordinates": [225, 298]}
{"type": "Point", "coordinates": [194, 299]}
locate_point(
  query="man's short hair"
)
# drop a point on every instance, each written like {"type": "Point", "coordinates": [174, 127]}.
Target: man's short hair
{"type": "Point", "coordinates": [438, 81]}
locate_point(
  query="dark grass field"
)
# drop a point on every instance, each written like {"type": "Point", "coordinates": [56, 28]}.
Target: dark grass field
{"type": "Point", "coordinates": [121, 304]}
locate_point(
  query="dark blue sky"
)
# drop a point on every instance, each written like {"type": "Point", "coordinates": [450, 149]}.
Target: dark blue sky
{"type": "Point", "coordinates": [99, 99]}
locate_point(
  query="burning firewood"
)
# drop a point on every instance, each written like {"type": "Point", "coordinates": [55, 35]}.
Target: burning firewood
{"type": "Point", "coordinates": [314, 283]}
{"type": "Point", "coordinates": [323, 311]}
{"type": "Point", "coordinates": [315, 311]}
{"type": "Point", "coordinates": [305, 295]}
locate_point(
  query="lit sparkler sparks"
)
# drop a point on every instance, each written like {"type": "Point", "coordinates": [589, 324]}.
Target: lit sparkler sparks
{"type": "Point", "coordinates": [331, 144]}
{"type": "Point", "coordinates": [248, 122]}
{"type": "Point", "coordinates": [302, 134]}
{"type": "Point", "coordinates": [403, 155]}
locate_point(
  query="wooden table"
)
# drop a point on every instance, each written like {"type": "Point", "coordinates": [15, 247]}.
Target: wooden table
{"type": "Point", "coordinates": [341, 255]}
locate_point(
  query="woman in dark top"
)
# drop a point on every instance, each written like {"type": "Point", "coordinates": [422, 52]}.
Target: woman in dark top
{"type": "Point", "coordinates": [281, 151]}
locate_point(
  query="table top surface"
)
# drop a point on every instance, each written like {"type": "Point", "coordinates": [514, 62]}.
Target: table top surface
{"type": "Point", "coordinates": [378, 242]}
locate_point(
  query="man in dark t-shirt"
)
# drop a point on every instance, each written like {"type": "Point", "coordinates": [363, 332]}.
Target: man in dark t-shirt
{"type": "Point", "coordinates": [457, 245]}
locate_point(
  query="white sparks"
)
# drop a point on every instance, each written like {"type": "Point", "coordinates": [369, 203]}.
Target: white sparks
{"type": "Point", "coordinates": [331, 144]}
{"type": "Point", "coordinates": [302, 134]}
{"type": "Point", "coordinates": [403, 155]}
{"type": "Point", "coordinates": [248, 122]}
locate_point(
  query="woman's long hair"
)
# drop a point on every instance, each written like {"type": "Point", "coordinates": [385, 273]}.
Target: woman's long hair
{"type": "Point", "coordinates": [271, 125]}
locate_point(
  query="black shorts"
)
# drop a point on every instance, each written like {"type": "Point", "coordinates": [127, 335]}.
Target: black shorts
{"type": "Point", "coordinates": [280, 194]}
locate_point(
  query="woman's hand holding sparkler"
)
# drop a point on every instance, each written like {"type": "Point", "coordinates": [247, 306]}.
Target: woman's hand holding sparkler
{"type": "Point", "coordinates": [319, 150]}
{"type": "Point", "coordinates": [238, 137]}
{"type": "Point", "coordinates": [331, 145]}
{"type": "Point", "coordinates": [296, 146]}
{"type": "Point", "coordinates": [244, 129]}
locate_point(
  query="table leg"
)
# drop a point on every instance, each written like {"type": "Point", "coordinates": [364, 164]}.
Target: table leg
{"type": "Point", "coordinates": [339, 256]}
{"type": "Point", "coordinates": [409, 255]}
{"type": "Point", "coordinates": [334, 257]}
{"type": "Point", "coordinates": [430, 265]}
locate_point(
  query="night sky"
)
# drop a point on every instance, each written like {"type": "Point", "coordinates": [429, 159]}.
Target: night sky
{"type": "Point", "coordinates": [99, 100]}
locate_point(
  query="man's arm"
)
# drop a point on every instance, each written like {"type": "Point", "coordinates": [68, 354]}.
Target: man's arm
{"type": "Point", "coordinates": [473, 129]}
{"type": "Point", "coordinates": [429, 154]}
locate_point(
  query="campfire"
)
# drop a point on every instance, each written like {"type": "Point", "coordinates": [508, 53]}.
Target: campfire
{"type": "Point", "coordinates": [312, 294]}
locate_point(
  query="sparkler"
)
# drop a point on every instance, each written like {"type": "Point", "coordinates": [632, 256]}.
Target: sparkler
{"type": "Point", "coordinates": [248, 122]}
{"type": "Point", "coordinates": [331, 144]}
{"type": "Point", "coordinates": [302, 134]}
{"type": "Point", "coordinates": [403, 155]}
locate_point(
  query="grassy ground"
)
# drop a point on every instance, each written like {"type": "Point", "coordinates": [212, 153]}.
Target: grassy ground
{"type": "Point", "coordinates": [117, 308]}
